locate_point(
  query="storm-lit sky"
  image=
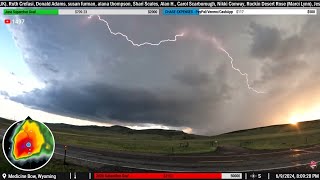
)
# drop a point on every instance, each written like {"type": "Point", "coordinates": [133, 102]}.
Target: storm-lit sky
{"type": "Point", "coordinates": [70, 69]}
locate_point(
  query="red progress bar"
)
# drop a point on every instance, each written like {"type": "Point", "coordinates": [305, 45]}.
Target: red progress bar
{"type": "Point", "coordinates": [157, 175]}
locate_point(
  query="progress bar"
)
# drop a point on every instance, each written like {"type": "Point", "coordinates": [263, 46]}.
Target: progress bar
{"type": "Point", "coordinates": [166, 11]}
{"type": "Point", "coordinates": [228, 12]}
{"type": "Point", "coordinates": [81, 11]}
{"type": "Point", "coordinates": [167, 175]}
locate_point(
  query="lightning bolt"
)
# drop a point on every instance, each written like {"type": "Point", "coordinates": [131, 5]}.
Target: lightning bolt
{"type": "Point", "coordinates": [233, 67]}
{"type": "Point", "coordinates": [198, 34]}
{"type": "Point", "coordinates": [134, 44]}
{"type": "Point", "coordinates": [242, 74]}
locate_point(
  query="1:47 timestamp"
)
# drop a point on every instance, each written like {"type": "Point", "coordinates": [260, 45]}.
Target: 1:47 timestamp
{"type": "Point", "coordinates": [17, 21]}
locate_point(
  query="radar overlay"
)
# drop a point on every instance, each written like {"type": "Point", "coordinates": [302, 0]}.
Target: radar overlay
{"type": "Point", "coordinates": [28, 145]}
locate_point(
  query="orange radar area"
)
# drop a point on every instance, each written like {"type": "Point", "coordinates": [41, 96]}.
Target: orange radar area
{"type": "Point", "coordinates": [28, 140]}
{"type": "Point", "coordinates": [28, 145]}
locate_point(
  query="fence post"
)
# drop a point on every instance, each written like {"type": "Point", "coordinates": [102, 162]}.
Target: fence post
{"type": "Point", "coordinates": [65, 155]}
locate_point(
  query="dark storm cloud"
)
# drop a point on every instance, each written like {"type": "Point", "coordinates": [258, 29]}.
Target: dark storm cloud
{"type": "Point", "coordinates": [265, 40]}
{"type": "Point", "coordinates": [268, 42]}
{"type": "Point", "coordinates": [103, 102]}
{"type": "Point", "coordinates": [50, 67]}
{"type": "Point", "coordinates": [193, 76]}
{"type": "Point", "coordinates": [283, 51]}
{"type": "Point", "coordinates": [282, 69]}
{"type": "Point", "coordinates": [92, 74]}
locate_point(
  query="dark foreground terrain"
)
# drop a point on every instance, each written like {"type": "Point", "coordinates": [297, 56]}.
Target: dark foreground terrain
{"type": "Point", "coordinates": [283, 148]}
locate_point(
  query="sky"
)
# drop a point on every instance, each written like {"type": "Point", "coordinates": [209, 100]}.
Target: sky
{"type": "Point", "coordinates": [71, 69]}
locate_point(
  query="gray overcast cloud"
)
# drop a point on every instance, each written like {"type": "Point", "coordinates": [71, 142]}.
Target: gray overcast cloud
{"type": "Point", "coordinates": [92, 74]}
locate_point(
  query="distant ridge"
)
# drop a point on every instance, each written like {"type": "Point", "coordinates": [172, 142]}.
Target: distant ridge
{"type": "Point", "coordinates": [312, 124]}
{"type": "Point", "coordinates": [116, 129]}
{"type": "Point", "coordinates": [113, 129]}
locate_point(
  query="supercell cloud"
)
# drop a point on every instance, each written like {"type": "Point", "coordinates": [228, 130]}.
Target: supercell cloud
{"type": "Point", "coordinates": [92, 74]}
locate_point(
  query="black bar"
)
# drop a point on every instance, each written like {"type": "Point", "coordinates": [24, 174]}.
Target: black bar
{"type": "Point", "coordinates": [277, 174]}
{"type": "Point", "coordinates": [288, 175]}
{"type": "Point", "coordinates": [44, 176]}
{"type": "Point", "coordinates": [89, 175]}
{"type": "Point", "coordinates": [231, 4]}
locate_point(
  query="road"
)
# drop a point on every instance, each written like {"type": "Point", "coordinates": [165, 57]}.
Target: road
{"type": "Point", "coordinates": [252, 161]}
{"type": "Point", "coordinates": [227, 159]}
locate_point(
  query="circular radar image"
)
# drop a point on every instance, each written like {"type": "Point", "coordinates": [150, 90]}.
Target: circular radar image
{"type": "Point", "coordinates": [28, 145]}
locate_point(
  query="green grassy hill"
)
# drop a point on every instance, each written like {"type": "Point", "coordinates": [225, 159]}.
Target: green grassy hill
{"type": "Point", "coordinates": [118, 138]}
{"type": "Point", "coordinates": [275, 137]}
{"type": "Point", "coordinates": [118, 130]}
{"type": "Point", "coordinates": [283, 128]}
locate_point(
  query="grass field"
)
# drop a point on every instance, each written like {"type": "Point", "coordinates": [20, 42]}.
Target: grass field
{"type": "Point", "coordinates": [119, 138]}
{"type": "Point", "coordinates": [275, 137]}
